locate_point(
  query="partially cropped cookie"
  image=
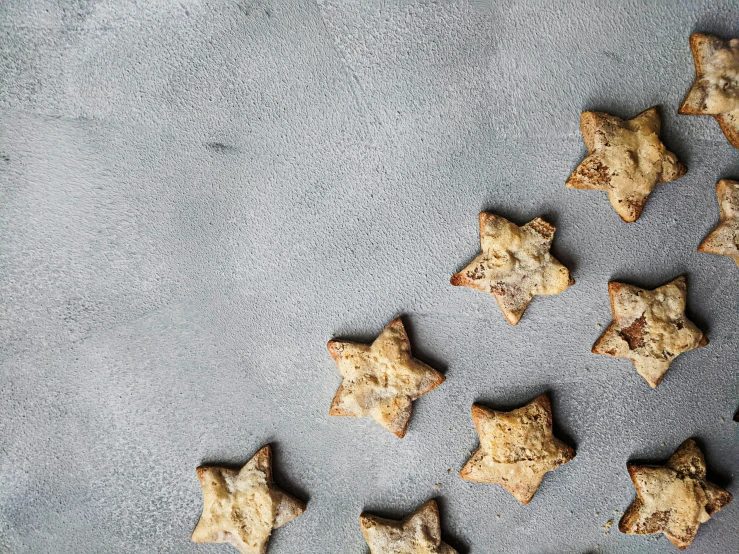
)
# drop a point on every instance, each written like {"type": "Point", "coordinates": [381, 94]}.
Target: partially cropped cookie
{"type": "Point", "coordinates": [649, 327]}
{"type": "Point", "coordinates": [514, 264]}
{"type": "Point", "coordinates": [419, 533]}
{"type": "Point", "coordinates": [517, 448]}
{"type": "Point", "coordinates": [626, 159]}
{"type": "Point", "coordinates": [382, 379]}
{"type": "Point", "coordinates": [243, 507]}
{"type": "Point", "coordinates": [715, 90]}
{"type": "Point", "coordinates": [724, 239]}
{"type": "Point", "coordinates": [674, 499]}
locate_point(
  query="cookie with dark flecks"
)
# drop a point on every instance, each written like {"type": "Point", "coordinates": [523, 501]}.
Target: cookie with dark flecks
{"type": "Point", "coordinates": [674, 499]}
{"type": "Point", "coordinates": [243, 507]}
{"type": "Point", "coordinates": [381, 379]}
{"type": "Point", "coordinates": [626, 159]}
{"type": "Point", "coordinates": [418, 533]}
{"type": "Point", "coordinates": [515, 264]}
{"type": "Point", "coordinates": [724, 239]}
{"type": "Point", "coordinates": [715, 91]}
{"type": "Point", "coordinates": [517, 448]}
{"type": "Point", "coordinates": [649, 327]}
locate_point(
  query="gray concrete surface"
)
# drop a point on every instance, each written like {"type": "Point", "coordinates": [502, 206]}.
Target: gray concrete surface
{"type": "Point", "coordinates": [195, 195]}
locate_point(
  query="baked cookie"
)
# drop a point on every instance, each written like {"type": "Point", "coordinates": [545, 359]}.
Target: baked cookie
{"type": "Point", "coordinates": [514, 264]}
{"type": "Point", "coordinates": [517, 448]}
{"type": "Point", "coordinates": [626, 159]}
{"type": "Point", "coordinates": [419, 533]}
{"type": "Point", "coordinates": [673, 499]}
{"type": "Point", "coordinates": [649, 327]}
{"type": "Point", "coordinates": [715, 90]}
{"type": "Point", "coordinates": [242, 507]}
{"type": "Point", "coordinates": [724, 239]}
{"type": "Point", "coordinates": [382, 379]}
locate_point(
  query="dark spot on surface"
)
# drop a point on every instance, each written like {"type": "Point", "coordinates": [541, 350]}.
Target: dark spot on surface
{"type": "Point", "coordinates": [5, 158]}
{"type": "Point", "coordinates": [219, 147]}
{"type": "Point", "coordinates": [634, 333]}
{"type": "Point", "coordinates": [654, 523]}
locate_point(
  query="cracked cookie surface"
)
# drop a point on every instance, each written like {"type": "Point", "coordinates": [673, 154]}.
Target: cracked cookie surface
{"type": "Point", "coordinates": [649, 327]}
{"type": "Point", "coordinates": [418, 533]}
{"type": "Point", "coordinates": [243, 507]}
{"type": "Point", "coordinates": [715, 91]}
{"type": "Point", "coordinates": [674, 499]}
{"type": "Point", "coordinates": [515, 264]}
{"type": "Point", "coordinates": [517, 448]}
{"type": "Point", "coordinates": [382, 379]}
{"type": "Point", "coordinates": [724, 239]}
{"type": "Point", "coordinates": [626, 159]}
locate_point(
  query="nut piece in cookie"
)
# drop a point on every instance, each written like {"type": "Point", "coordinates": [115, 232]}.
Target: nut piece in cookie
{"type": "Point", "coordinates": [673, 499]}
{"type": "Point", "coordinates": [626, 159]}
{"type": "Point", "coordinates": [514, 264]}
{"type": "Point", "coordinates": [517, 448]}
{"type": "Point", "coordinates": [724, 239]}
{"type": "Point", "coordinates": [649, 327]}
{"type": "Point", "coordinates": [382, 379]}
{"type": "Point", "coordinates": [715, 90]}
{"type": "Point", "coordinates": [418, 533]}
{"type": "Point", "coordinates": [242, 507]}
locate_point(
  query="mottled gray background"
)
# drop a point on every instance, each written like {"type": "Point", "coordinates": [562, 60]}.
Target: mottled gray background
{"type": "Point", "coordinates": [196, 195]}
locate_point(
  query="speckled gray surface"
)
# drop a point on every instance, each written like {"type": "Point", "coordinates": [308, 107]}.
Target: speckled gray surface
{"type": "Point", "coordinates": [196, 195]}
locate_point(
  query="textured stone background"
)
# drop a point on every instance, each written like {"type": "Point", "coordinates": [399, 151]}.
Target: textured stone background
{"type": "Point", "coordinates": [195, 195]}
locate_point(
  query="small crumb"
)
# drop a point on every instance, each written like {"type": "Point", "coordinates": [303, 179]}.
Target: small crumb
{"type": "Point", "coordinates": [597, 513]}
{"type": "Point", "coordinates": [662, 445]}
{"type": "Point", "coordinates": [437, 486]}
{"type": "Point", "coordinates": [608, 524]}
{"type": "Point", "coordinates": [571, 512]}
{"type": "Point", "coordinates": [497, 516]}
{"type": "Point", "coordinates": [449, 470]}
{"type": "Point", "coordinates": [723, 420]}
{"type": "Point", "coordinates": [598, 325]}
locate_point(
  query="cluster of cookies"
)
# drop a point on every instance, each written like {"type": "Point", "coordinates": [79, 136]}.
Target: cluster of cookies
{"type": "Point", "coordinates": [517, 448]}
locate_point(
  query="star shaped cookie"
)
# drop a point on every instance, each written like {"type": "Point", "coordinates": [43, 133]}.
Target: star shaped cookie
{"type": "Point", "coordinates": [626, 159]}
{"type": "Point", "coordinates": [242, 507]}
{"type": "Point", "coordinates": [517, 448]}
{"type": "Point", "coordinates": [715, 90]}
{"type": "Point", "coordinates": [673, 499]}
{"type": "Point", "coordinates": [419, 533]}
{"type": "Point", "coordinates": [649, 328]}
{"type": "Point", "coordinates": [382, 379]}
{"type": "Point", "coordinates": [724, 239]}
{"type": "Point", "coordinates": [514, 264]}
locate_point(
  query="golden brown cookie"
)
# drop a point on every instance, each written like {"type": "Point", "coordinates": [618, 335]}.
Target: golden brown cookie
{"type": "Point", "coordinates": [419, 533]}
{"type": "Point", "coordinates": [715, 90]}
{"type": "Point", "coordinates": [242, 507]}
{"type": "Point", "coordinates": [724, 239]}
{"type": "Point", "coordinates": [626, 159]}
{"type": "Point", "coordinates": [673, 499]}
{"type": "Point", "coordinates": [514, 264]}
{"type": "Point", "coordinates": [517, 448]}
{"type": "Point", "coordinates": [649, 327]}
{"type": "Point", "coordinates": [382, 379]}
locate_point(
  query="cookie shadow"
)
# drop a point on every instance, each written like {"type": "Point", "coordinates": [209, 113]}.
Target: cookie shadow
{"type": "Point", "coordinates": [417, 350]}
{"type": "Point", "coordinates": [446, 536]}
{"type": "Point", "coordinates": [720, 478]}
{"type": "Point", "coordinates": [715, 24]}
